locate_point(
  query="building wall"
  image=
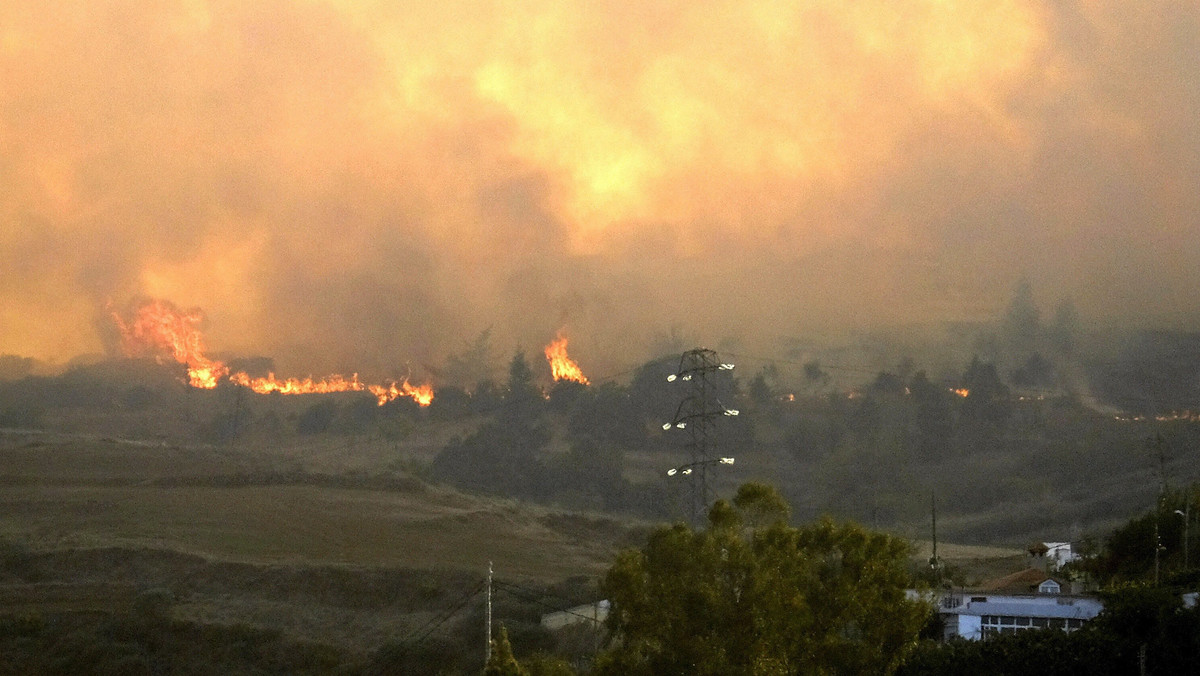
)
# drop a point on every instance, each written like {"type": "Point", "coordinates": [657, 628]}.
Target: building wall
{"type": "Point", "coordinates": [966, 626]}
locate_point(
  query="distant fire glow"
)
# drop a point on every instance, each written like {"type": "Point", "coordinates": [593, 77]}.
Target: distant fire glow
{"type": "Point", "coordinates": [158, 327]}
{"type": "Point", "coordinates": [563, 367]}
{"type": "Point", "coordinates": [962, 392]}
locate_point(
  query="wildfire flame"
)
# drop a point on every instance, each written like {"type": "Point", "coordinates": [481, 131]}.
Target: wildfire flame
{"type": "Point", "coordinates": [563, 367]}
{"type": "Point", "coordinates": [961, 391]}
{"type": "Point", "coordinates": [158, 326]}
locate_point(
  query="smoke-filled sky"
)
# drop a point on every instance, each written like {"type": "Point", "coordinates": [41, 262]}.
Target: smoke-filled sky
{"type": "Point", "coordinates": [355, 185]}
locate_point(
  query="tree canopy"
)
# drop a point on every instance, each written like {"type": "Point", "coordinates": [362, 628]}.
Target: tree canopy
{"type": "Point", "coordinates": [751, 594]}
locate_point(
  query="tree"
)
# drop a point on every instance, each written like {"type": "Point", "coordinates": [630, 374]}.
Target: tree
{"type": "Point", "coordinates": [317, 418]}
{"type": "Point", "coordinates": [522, 398]}
{"type": "Point", "coordinates": [752, 595]}
{"type": "Point", "coordinates": [1064, 327]}
{"type": "Point", "coordinates": [934, 418]}
{"type": "Point", "coordinates": [814, 375]}
{"type": "Point", "coordinates": [1036, 372]}
{"type": "Point", "coordinates": [500, 457]}
{"type": "Point", "coordinates": [1128, 554]}
{"type": "Point", "coordinates": [1022, 321]}
{"type": "Point", "coordinates": [501, 662]}
{"type": "Point", "coordinates": [473, 365]}
{"type": "Point", "coordinates": [987, 407]}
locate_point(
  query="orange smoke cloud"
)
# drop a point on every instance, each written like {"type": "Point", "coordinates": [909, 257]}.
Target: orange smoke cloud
{"type": "Point", "coordinates": [320, 174]}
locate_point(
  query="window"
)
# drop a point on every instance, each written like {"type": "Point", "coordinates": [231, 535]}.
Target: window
{"type": "Point", "coordinates": [1049, 587]}
{"type": "Point", "coordinates": [990, 625]}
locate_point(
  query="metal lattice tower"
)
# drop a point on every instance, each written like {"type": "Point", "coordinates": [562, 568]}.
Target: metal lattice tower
{"type": "Point", "coordinates": [697, 413]}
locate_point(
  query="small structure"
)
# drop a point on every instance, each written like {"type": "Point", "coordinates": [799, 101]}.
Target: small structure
{"type": "Point", "coordinates": [1059, 554]}
{"type": "Point", "coordinates": [1051, 556]}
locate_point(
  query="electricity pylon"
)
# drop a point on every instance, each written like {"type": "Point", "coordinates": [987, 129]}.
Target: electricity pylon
{"type": "Point", "coordinates": [697, 413]}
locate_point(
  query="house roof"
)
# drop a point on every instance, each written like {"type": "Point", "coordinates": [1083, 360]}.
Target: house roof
{"type": "Point", "coordinates": [1021, 581]}
{"type": "Point", "coordinates": [1080, 608]}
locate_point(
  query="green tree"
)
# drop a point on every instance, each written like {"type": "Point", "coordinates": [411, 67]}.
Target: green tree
{"type": "Point", "coordinates": [501, 662]}
{"type": "Point", "coordinates": [1128, 553]}
{"type": "Point", "coordinates": [752, 595]}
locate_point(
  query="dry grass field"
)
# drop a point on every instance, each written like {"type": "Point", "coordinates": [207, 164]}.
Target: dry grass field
{"type": "Point", "coordinates": [258, 535]}
{"type": "Point", "coordinates": [62, 491]}
{"type": "Point", "coordinates": [314, 524]}
{"type": "Point", "coordinates": [294, 536]}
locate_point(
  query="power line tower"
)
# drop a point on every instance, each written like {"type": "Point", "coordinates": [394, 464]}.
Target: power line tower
{"type": "Point", "coordinates": [697, 413]}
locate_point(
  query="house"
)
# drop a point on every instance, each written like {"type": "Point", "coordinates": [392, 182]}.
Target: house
{"type": "Point", "coordinates": [1028, 581]}
{"type": "Point", "coordinates": [1051, 555]}
{"type": "Point", "coordinates": [1027, 599]}
{"type": "Point", "coordinates": [1059, 554]}
{"type": "Point", "coordinates": [980, 615]}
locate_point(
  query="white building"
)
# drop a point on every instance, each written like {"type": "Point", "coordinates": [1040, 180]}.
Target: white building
{"type": "Point", "coordinates": [984, 614]}
{"type": "Point", "coordinates": [1054, 554]}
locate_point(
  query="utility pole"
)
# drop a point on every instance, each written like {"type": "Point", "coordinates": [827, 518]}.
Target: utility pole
{"type": "Point", "coordinates": [1187, 509]}
{"type": "Point", "coordinates": [488, 617]}
{"type": "Point", "coordinates": [1157, 547]}
{"type": "Point", "coordinates": [1186, 513]}
{"type": "Point", "coordinates": [934, 563]}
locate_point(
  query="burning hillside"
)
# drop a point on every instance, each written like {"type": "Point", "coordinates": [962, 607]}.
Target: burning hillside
{"type": "Point", "coordinates": [157, 328]}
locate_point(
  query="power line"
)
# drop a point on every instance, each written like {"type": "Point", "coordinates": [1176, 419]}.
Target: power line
{"type": "Point", "coordinates": [526, 594]}
{"type": "Point", "coordinates": [426, 630]}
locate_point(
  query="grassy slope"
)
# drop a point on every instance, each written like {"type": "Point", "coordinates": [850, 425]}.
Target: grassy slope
{"type": "Point", "coordinates": [69, 492]}
{"type": "Point", "coordinates": [267, 524]}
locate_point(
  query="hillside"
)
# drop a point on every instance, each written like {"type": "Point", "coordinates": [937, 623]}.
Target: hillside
{"type": "Point", "coordinates": [329, 518]}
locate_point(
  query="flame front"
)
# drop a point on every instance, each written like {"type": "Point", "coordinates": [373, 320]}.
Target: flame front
{"type": "Point", "coordinates": [158, 326]}
{"type": "Point", "coordinates": [563, 367]}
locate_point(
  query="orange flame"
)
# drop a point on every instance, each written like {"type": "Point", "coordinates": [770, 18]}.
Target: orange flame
{"type": "Point", "coordinates": [422, 394]}
{"type": "Point", "coordinates": [961, 391]}
{"type": "Point", "coordinates": [158, 326]}
{"type": "Point", "coordinates": [563, 367]}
